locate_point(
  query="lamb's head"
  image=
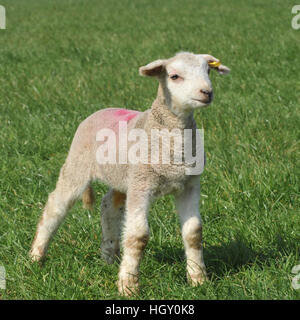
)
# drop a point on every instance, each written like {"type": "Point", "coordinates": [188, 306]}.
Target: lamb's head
{"type": "Point", "coordinates": [185, 79]}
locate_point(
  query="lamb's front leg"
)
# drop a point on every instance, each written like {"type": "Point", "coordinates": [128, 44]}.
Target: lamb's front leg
{"type": "Point", "coordinates": [135, 238]}
{"type": "Point", "coordinates": [188, 208]}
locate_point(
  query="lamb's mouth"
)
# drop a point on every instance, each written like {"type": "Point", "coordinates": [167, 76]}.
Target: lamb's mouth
{"type": "Point", "coordinates": [208, 101]}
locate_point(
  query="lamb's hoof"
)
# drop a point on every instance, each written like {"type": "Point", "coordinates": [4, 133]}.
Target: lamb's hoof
{"type": "Point", "coordinates": [36, 255]}
{"type": "Point", "coordinates": [110, 251]}
{"type": "Point", "coordinates": [197, 279]}
{"type": "Point", "coordinates": [128, 287]}
{"type": "Point", "coordinates": [35, 258]}
{"type": "Point", "coordinates": [110, 259]}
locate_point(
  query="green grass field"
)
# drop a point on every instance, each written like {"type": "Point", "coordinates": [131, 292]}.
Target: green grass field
{"type": "Point", "coordinates": [62, 60]}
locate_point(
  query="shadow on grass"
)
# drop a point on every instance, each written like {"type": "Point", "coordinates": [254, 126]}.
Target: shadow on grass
{"type": "Point", "coordinates": [229, 257]}
{"type": "Point", "coordinates": [169, 254]}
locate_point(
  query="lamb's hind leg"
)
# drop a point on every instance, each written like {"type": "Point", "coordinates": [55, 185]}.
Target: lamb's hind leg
{"type": "Point", "coordinates": [70, 185]}
{"type": "Point", "coordinates": [112, 210]}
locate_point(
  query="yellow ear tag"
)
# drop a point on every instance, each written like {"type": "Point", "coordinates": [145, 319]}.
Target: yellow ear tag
{"type": "Point", "coordinates": [214, 64]}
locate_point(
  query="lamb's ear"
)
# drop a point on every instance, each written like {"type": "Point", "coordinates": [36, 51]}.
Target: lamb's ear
{"type": "Point", "coordinates": [153, 69]}
{"type": "Point", "coordinates": [215, 63]}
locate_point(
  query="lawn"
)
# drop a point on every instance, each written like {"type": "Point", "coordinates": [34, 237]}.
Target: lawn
{"type": "Point", "coordinates": [62, 60]}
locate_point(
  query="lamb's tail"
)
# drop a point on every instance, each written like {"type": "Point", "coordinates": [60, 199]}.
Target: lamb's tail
{"type": "Point", "coordinates": [88, 198]}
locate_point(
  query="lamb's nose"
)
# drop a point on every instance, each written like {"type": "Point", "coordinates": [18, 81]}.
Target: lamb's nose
{"type": "Point", "coordinates": [206, 92]}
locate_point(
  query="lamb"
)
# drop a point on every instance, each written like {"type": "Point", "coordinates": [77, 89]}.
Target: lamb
{"type": "Point", "coordinates": [184, 86]}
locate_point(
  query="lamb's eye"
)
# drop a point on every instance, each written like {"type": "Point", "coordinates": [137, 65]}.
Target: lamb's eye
{"type": "Point", "coordinates": [174, 76]}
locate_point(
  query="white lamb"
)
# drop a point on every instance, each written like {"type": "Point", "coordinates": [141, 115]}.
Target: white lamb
{"type": "Point", "coordinates": [184, 86]}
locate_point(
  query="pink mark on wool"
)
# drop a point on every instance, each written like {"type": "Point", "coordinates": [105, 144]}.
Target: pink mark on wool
{"type": "Point", "coordinates": [125, 115]}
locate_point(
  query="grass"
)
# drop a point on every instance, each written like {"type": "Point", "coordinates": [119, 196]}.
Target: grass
{"type": "Point", "coordinates": [60, 61]}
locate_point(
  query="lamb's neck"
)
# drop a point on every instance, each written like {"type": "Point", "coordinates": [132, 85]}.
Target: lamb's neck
{"type": "Point", "coordinates": [162, 115]}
